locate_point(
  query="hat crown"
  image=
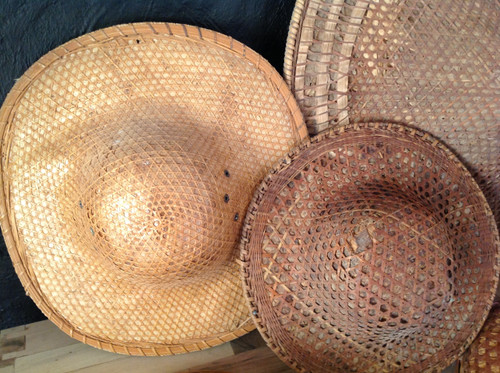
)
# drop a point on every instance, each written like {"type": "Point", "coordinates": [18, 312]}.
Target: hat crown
{"type": "Point", "coordinates": [147, 200]}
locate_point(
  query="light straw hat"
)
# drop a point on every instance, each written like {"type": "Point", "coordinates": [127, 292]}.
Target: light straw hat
{"type": "Point", "coordinates": [370, 249]}
{"type": "Point", "coordinates": [432, 64]}
{"type": "Point", "coordinates": [129, 156]}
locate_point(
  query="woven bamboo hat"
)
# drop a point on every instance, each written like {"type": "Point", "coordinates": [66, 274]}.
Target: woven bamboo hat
{"type": "Point", "coordinates": [483, 355]}
{"type": "Point", "coordinates": [370, 249]}
{"type": "Point", "coordinates": [129, 156]}
{"type": "Point", "coordinates": [429, 64]}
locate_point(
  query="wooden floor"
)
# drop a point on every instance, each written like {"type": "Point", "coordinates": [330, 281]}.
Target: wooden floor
{"type": "Point", "coordinates": [42, 348]}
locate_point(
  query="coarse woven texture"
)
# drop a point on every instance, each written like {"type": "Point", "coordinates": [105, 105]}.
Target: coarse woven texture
{"type": "Point", "coordinates": [261, 25]}
{"type": "Point", "coordinates": [370, 249]}
{"type": "Point", "coordinates": [431, 64]}
{"type": "Point", "coordinates": [483, 355]}
{"type": "Point", "coordinates": [128, 157]}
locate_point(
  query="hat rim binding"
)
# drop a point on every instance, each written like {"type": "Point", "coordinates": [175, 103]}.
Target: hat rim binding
{"type": "Point", "coordinates": [8, 223]}
{"type": "Point", "coordinates": [250, 291]}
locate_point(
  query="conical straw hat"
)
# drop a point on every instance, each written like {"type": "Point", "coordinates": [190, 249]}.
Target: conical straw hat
{"type": "Point", "coordinates": [370, 249]}
{"type": "Point", "coordinates": [433, 65]}
{"type": "Point", "coordinates": [129, 156]}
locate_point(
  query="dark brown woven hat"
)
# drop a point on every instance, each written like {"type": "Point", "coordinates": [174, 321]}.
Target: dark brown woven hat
{"type": "Point", "coordinates": [430, 64]}
{"type": "Point", "coordinates": [483, 355]}
{"type": "Point", "coordinates": [129, 157]}
{"type": "Point", "coordinates": [369, 249]}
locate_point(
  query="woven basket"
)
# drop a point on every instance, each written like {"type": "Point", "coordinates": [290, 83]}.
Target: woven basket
{"type": "Point", "coordinates": [430, 64]}
{"type": "Point", "coordinates": [129, 157]}
{"type": "Point", "coordinates": [370, 249]}
{"type": "Point", "coordinates": [483, 355]}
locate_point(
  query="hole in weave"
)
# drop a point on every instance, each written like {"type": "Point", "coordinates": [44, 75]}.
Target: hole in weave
{"type": "Point", "coordinates": [226, 198]}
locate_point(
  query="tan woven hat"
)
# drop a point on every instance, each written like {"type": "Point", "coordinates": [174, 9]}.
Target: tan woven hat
{"type": "Point", "coordinates": [129, 156]}
{"type": "Point", "coordinates": [370, 249]}
{"type": "Point", "coordinates": [483, 355]}
{"type": "Point", "coordinates": [431, 64]}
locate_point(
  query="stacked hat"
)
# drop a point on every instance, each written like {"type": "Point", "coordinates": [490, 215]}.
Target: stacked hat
{"type": "Point", "coordinates": [432, 65]}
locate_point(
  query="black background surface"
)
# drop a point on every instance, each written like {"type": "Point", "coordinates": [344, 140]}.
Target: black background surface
{"type": "Point", "coordinates": [31, 28]}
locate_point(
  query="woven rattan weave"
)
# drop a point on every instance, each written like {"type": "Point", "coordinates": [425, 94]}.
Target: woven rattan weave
{"type": "Point", "coordinates": [483, 355]}
{"type": "Point", "coordinates": [129, 156]}
{"type": "Point", "coordinates": [370, 249]}
{"type": "Point", "coordinates": [431, 64]}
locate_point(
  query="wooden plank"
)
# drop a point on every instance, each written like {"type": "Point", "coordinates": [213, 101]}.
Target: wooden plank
{"type": "Point", "coordinates": [40, 336]}
{"type": "Point", "coordinates": [15, 331]}
{"type": "Point", "coordinates": [7, 369]}
{"type": "Point", "coordinates": [260, 360]}
{"type": "Point", "coordinates": [63, 359]}
{"type": "Point", "coordinates": [7, 366]}
{"type": "Point", "coordinates": [164, 364]}
{"type": "Point", "coordinates": [10, 345]}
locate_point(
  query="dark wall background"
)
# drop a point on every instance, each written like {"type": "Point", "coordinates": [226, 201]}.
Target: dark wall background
{"type": "Point", "coordinates": [31, 28]}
